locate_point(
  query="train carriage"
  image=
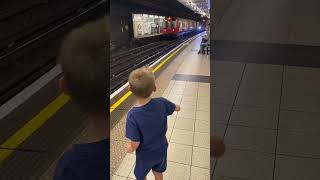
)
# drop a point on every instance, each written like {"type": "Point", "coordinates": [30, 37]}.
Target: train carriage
{"type": "Point", "coordinates": [175, 26]}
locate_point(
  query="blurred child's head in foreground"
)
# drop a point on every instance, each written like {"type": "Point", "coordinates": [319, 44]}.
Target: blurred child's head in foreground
{"type": "Point", "coordinates": [84, 61]}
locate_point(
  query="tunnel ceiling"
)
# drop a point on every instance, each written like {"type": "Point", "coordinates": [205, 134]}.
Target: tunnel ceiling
{"type": "Point", "coordinates": [161, 7]}
{"type": "Point", "coordinates": [199, 6]}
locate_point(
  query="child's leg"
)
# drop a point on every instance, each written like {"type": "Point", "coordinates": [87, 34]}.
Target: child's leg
{"type": "Point", "coordinates": [157, 175]}
{"type": "Point", "coordinates": [141, 170]}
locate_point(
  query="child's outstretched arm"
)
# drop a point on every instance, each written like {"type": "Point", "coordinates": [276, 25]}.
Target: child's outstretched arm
{"type": "Point", "coordinates": [178, 108]}
{"type": "Point", "coordinates": [132, 146]}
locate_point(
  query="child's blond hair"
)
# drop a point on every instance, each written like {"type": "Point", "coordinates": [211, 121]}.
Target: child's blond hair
{"type": "Point", "coordinates": [84, 61]}
{"type": "Point", "coordinates": [142, 82]}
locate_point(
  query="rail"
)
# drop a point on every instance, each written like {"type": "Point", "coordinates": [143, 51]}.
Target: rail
{"type": "Point", "coordinates": [20, 66]}
{"type": "Point", "coordinates": [123, 64]}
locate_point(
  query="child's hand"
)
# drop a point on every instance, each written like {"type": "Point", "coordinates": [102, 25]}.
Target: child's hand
{"type": "Point", "coordinates": [129, 148]}
{"type": "Point", "coordinates": [178, 108]}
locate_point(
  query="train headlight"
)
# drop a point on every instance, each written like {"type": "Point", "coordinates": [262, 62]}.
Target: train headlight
{"type": "Point", "coordinates": [199, 27]}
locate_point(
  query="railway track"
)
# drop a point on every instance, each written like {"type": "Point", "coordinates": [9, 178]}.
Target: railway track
{"type": "Point", "coordinates": [121, 64]}
{"type": "Point", "coordinates": [23, 64]}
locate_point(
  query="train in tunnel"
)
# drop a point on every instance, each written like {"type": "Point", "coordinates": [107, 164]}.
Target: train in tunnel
{"type": "Point", "coordinates": [145, 25]}
{"type": "Point", "coordinates": [175, 26]}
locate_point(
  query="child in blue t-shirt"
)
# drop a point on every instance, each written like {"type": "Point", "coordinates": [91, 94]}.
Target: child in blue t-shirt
{"type": "Point", "coordinates": [84, 61]}
{"type": "Point", "coordinates": [147, 125]}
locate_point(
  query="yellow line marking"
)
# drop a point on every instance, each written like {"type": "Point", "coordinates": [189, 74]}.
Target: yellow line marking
{"type": "Point", "coordinates": [163, 62]}
{"type": "Point", "coordinates": [35, 123]}
{"type": "Point", "coordinates": [124, 97]}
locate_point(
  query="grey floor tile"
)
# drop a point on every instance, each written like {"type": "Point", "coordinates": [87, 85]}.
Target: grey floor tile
{"type": "Point", "coordinates": [298, 144]}
{"type": "Point", "coordinates": [225, 67]}
{"type": "Point", "coordinates": [294, 168]}
{"type": "Point", "coordinates": [300, 85]}
{"type": "Point", "coordinates": [254, 117]}
{"type": "Point", "coordinates": [306, 122]}
{"type": "Point", "coordinates": [245, 165]}
{"type": "Point", "coordinates": [301, 89]}
{"type": "Point", "coordinates": [253, 139]}
{"type": "Point", "coordinates": [212, 165]}
{"type": "Point", "coordinates": [302, 76]}
{"type": "Point", "coordinates": [226, 81]}
{"type": "Point", "coordinates": [297, 84]}
{"type": "Point", "coordinates": [218, 129]}
{"type": "Point", "coordinates": [262, 76]}
{"type": "Point", "coordinates": [258, 97]}
{"type": "Point", "coordinates": [223, 95]}
{"type": "Point", "coordinates": [259, 83]}
{"type": "Point", "coordinates": [304, 100]}
{"type": "Point", "coordinates": [263, 69]}
{"type": "Point", "coordinates": [220, 113]}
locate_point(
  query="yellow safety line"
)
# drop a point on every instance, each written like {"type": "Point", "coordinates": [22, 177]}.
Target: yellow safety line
{"type": "Point", "coordinates": [36, 122]}
{"type": "Point", "coordinates": [124, 97]}
{"type": "Point", "coordinates": [163, 62]}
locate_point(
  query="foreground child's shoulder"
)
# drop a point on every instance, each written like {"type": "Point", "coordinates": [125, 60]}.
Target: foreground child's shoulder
{"type": "Point", "coordinates": [84, 160]}
{"type": "Point", "coordinates": [160, 99]}
{"type": "Point", "coordinates": [163, 100]}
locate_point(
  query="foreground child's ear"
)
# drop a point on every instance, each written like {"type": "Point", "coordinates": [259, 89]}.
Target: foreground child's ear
{"type": "Point", "coordinates": [63, 85]}
{"type": "Point", "coordinates": [129, 88]}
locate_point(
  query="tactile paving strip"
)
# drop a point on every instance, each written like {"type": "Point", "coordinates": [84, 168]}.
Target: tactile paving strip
{"type": "Point", "coordinates": [193, 78]}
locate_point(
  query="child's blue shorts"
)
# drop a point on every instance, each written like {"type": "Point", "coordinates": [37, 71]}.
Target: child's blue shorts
{"type": "Point", "coordinates": [143, 167]}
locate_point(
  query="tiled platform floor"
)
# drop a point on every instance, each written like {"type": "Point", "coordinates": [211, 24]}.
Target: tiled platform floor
{"type": "Point", "coordinates": [188, 134]}
{"type": "Point", "coordinates": [269, 118]}
{"type": "Point", "coordinates": [189, 130]}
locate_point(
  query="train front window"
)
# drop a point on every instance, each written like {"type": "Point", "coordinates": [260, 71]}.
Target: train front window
{"type": "Point", "coordinates": [174, 24]}
{"type": "Point", "coordinates": [169, 24]}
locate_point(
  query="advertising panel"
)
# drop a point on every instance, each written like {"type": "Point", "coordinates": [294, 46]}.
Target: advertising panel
{"type": "Point", "coordinates": [145, 25]}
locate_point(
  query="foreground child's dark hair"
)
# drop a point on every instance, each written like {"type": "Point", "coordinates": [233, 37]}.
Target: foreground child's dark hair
{"type": "Point", "coordinates": [84, 61]}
